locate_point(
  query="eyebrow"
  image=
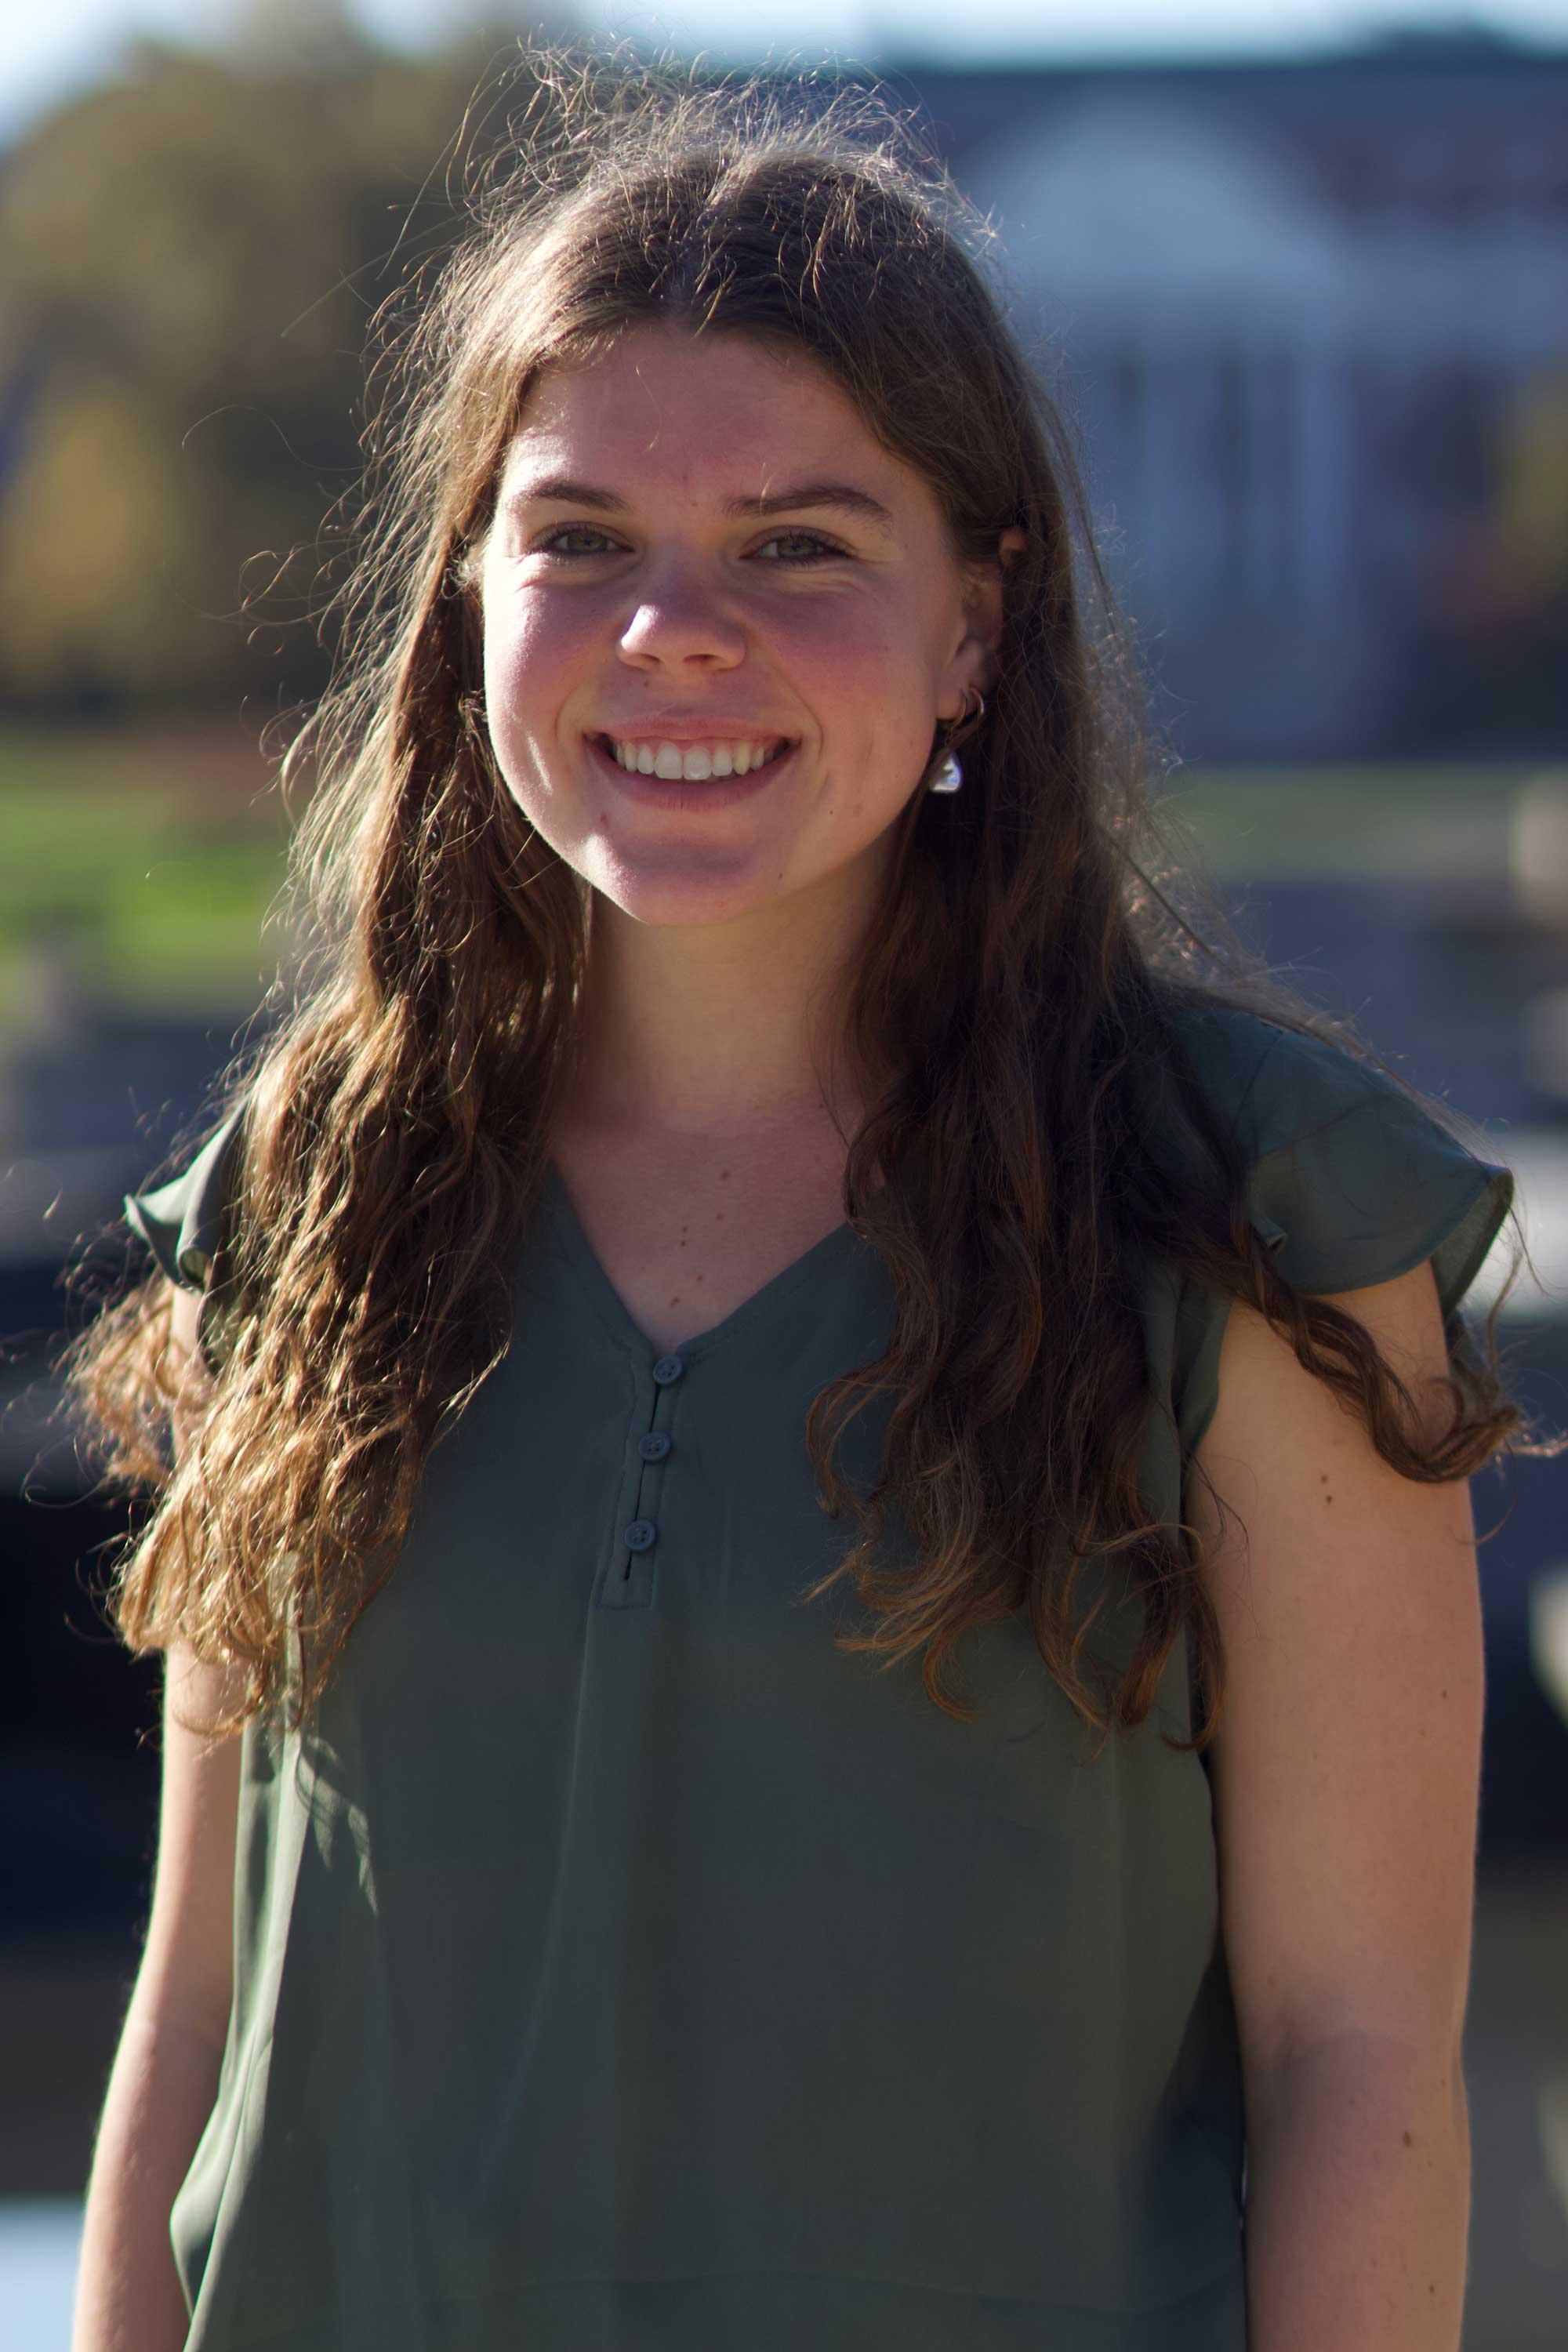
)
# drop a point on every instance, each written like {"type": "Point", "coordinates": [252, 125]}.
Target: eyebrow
{"type": "Point", "coordinates": [560, 489]}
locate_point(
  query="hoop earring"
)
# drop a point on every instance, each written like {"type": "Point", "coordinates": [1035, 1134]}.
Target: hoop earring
{"type": "Point", "coordinates": [948, 776]}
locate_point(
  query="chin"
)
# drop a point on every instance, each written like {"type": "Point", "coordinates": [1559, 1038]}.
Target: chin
{"type": "Point", "coordinates": [684, 888]}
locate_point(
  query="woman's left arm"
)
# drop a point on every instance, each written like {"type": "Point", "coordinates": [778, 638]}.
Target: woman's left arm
{"type": "Point", "coordinates": [1346, 1776]}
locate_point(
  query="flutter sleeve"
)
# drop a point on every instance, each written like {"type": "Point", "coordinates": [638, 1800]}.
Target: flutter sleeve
{"type": "Point", "coordinates": [185, 1222]}
{"type": "Point", "coordinates": [1351, 1183]}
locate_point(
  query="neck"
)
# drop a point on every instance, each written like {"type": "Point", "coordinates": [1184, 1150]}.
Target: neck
{"type": "Point", "coordinates": [717, 1028]}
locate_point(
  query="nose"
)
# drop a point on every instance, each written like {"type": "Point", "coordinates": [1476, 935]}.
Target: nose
{"type": "Point", "coordinates": [681, 616]}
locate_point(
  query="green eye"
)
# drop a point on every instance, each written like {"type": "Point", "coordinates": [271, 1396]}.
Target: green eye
{"type": "Point", "coordinates": [811, 545]}
{"type": "Point", "coordinates": [552, 544]}
{"type": "Point", "coordinates": [819, 549]}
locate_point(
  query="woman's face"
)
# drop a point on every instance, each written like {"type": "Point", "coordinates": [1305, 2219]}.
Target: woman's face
{"type": "Point", "coordinates": [698, 544]}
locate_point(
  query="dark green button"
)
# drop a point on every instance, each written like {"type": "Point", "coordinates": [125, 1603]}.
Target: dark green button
{"type": "Point", "coordinates": [654, 1446]}
{"type": "Point", "coordinates": [640, 1534]}
{"type": "Point", "coordinates": [667, 1369]}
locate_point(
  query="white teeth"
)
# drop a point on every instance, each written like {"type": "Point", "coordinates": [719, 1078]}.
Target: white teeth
{"type": "Point", "coordinates": [694, 762]}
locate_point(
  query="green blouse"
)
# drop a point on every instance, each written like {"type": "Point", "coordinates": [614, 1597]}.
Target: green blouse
{"type": "Point", "coordinates": [618, 1965]}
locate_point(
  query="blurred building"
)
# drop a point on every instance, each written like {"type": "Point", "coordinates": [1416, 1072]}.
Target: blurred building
{"type": "Point", "coordinates": [1311, 317]}
{"type": "Point", "coordinates": [1312, 325]}
{"type": "Point", "coordinates": [1314, 320]}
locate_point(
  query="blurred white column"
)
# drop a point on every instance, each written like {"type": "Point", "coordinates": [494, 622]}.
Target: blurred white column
{"type": "Point", "coordinates": [1324, 460]}
{"type": "Point", "coordinates": [1265, 472]}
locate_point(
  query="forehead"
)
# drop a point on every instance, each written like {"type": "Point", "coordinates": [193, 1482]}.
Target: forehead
{"type": "Point", "coordinates": [710, 414]}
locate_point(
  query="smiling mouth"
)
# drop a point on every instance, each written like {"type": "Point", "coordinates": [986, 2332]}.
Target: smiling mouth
{"type": "Point", "coordinates": [694, 763]}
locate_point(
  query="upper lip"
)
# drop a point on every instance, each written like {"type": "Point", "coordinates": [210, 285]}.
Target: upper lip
{"type": "Point", "coordinates": [693, 730]}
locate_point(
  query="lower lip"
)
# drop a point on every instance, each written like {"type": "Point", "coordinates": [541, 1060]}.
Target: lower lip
{"type": "Point", "coordinates": [676, 793]}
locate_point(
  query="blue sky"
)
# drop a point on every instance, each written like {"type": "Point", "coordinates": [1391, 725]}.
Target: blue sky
{"type": "Point", "coordinates": [47, 50]}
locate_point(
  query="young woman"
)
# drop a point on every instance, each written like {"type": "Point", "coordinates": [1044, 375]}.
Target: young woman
{"type": "Point", "coordinates": [822, 1463]}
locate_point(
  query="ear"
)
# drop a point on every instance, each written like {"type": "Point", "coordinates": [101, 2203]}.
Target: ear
{"type": "Point", "coordinates": [975, 660]}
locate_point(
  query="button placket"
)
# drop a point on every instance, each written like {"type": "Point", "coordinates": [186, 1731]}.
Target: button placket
{"type": "Point", "coordinates": [654, 1447]}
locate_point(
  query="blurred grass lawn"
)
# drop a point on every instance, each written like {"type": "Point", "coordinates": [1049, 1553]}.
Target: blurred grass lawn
{"type": "Point", "coordinates": [1395, 822]}
{"type": "Point", "coordinates": [155, 857]}
{"type": "Point", "coordinates": [153, 861]}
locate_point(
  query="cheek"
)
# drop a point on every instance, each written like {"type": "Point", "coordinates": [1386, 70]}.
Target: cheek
{"type": "Point", "coordinates": [868, 671]}
{"type": "Point", "coordinates": [531, 664]}
{"type": "Point", "coordinates": [520, 653]}
{"type": "Point", "coordinates": [881, 701]}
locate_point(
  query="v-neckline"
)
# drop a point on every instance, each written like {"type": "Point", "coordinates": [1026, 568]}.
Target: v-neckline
{"type": "Point", "coordinates": [614, 1312]}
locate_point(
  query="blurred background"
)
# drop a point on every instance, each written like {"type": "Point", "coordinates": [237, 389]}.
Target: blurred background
{"type": "Point", "coordinates": [1300, 276]}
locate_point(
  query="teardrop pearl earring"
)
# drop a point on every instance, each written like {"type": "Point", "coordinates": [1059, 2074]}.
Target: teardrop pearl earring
{"type": "Point", "coordinates": [949, 776]}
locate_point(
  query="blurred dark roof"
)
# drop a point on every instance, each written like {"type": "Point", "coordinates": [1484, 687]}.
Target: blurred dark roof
{"type": "Point", "coordinates": [1414, 69]}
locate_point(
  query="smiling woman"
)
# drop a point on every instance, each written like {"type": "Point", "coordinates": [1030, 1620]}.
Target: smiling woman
{"type": "Point", "coordinates": [817, 1452]}
{"type": "Point", "coordinates": [681, 631]}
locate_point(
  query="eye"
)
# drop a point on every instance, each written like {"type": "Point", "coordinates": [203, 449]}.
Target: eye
{"type": "Point", "coordinates": [814, 546]}
{"type": "Point", "coordinates": [819, 549]}
{"type": "Point", "coordinates": [549, 544]}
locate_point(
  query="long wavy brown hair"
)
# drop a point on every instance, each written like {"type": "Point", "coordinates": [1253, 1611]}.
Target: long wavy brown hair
{"type": "Point", "coordinates": [1041, 934]}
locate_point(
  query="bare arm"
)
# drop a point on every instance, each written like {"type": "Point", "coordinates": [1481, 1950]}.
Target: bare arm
{"type": "Point", "coordinates": [1346, 1775]}
{"type": "Point", "coordinates": [165, 2074]}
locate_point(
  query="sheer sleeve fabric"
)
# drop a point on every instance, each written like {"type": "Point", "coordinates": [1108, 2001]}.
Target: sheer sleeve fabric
{"type": "Point", "coordinates": [1351, 1183]}
{"type": "Point", "coordinates": [184, 1223]}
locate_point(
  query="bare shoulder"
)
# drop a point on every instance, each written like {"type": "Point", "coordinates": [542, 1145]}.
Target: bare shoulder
{"type": "Point", "coordinates": [1346, 1765]}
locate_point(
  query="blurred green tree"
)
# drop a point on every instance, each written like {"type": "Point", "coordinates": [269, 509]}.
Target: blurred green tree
{"type": "Point", "coordinates": [188, 260]}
